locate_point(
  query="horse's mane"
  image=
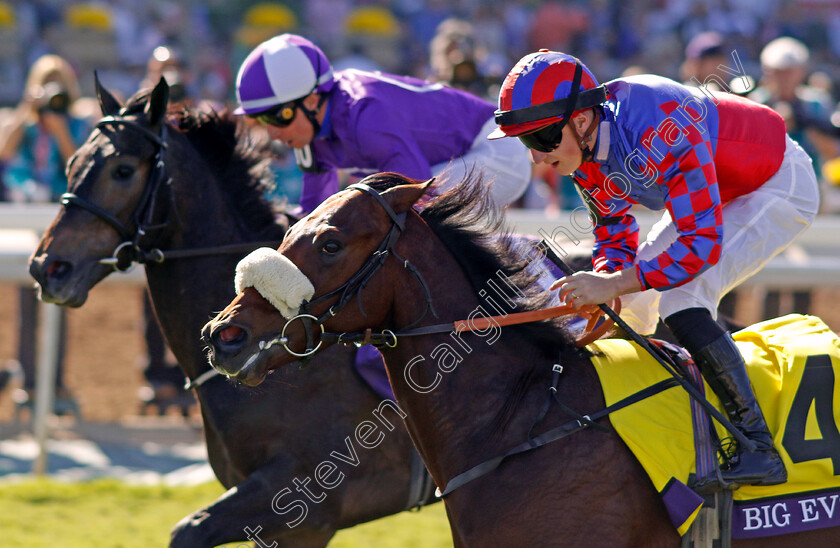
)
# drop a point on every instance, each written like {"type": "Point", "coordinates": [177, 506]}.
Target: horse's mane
{"type": "Point", "coordinates": [475, 232]}
{"type": "Point", "coordinates": [240, 161]}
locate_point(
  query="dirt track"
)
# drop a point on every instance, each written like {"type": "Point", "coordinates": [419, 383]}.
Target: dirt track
{"type": "Point", "coordinates": [105, 345]}
{"type": "Point", "coordinates": [104, 351]}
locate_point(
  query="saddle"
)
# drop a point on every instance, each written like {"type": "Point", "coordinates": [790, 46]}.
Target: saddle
{"type": "Point", "coordinates": [792, 363]}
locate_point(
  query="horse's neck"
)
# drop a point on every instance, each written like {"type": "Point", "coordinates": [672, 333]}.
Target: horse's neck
{"type": "Point", "coordinates": [484, 402]}
{"type": "Point", "coordinates": [183, 294]}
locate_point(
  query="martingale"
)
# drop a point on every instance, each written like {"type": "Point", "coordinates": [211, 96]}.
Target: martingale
{"type": "Point", "coordinates": [792, 362]}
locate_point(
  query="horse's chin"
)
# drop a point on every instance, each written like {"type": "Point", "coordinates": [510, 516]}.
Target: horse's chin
{"type": "Point", "coordinates": [72, 297]}
{"type": "Point", "coordinates": [70, 290]}
{"type": "Point", "coordinates": [251, 378]}
{"type": "Point", "coordinates": [252, 372]}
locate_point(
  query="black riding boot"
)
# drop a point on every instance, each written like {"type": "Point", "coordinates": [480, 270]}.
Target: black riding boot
{"type": "Point", "coordinates": [723, 367]}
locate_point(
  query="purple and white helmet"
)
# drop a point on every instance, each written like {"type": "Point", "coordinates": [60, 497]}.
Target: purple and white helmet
{"type": "Point", "coordinates": [282, 69]}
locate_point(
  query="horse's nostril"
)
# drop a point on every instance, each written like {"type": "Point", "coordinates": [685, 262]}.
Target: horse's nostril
{"type": "Point", "coordinates": [232, 334]}
{"type": "Point", "coordinates": [58, 269]}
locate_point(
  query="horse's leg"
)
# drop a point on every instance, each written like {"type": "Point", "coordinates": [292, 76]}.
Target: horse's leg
{"type": "Point", "coordinates": [245, 513]}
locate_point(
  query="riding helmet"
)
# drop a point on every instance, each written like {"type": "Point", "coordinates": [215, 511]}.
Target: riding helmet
{"type": "Point", "coordinates": [539, 90]}
{"type": "Point", "coordinates": [285, 68]}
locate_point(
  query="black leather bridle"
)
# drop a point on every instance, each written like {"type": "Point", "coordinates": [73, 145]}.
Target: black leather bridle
{"type": "Point", "coordinates": [130, 251]}
{"type": "Point", "coordinates": [351, 289]}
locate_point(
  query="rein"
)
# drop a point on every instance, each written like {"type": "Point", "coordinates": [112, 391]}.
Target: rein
{"type": "Point", "coordinates": [130, 252]}
{"type": "Point", "coordinates": [387, 338]}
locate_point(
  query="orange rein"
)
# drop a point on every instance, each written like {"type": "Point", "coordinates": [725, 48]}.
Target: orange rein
{"type": "Point", "coordinates": [588, 336]}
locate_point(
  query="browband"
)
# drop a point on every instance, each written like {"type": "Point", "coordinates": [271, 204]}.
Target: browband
{"type": "Point", "coordinates": [585, 99]}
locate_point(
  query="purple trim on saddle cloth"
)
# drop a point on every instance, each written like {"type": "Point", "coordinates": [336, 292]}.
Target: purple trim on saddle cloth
{"type": "Point", "coordinates": [371, 367]}
{"type": "Point", "coordinates": [786, 514]}
{"type": "Point", "coordinates": [704, 448]}
{"type": "Point", "coordinates": [680, 501]}
{"type": "Point", "coordinates": [705, 454]}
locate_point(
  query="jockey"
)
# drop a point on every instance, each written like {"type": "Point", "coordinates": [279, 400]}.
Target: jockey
{"type": "Point", "coordinates": [736, 188]}
{"type": "Point", "coordinates": [367, 122]}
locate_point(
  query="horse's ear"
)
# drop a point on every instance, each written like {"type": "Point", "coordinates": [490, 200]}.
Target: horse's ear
{"type": "Point", "coordinates": [107, 102]}
{"type": "Point", "coordinates": [156, 107]}
{"type": "Point", "coordinates": [402, 197]}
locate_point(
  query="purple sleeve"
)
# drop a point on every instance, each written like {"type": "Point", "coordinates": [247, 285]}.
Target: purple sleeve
{"type": "Point", "coordinates": [387, 146]}
{"type": "Point", "coordinates": [317, 187]}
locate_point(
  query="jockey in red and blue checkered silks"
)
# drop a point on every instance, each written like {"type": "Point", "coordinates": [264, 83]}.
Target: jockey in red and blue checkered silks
{"type": "Point", "coordinates": [736, 190]}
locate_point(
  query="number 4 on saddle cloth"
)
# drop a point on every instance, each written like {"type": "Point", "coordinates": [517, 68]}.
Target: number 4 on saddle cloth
{"type": "Point", "coordinates": [792, 363]}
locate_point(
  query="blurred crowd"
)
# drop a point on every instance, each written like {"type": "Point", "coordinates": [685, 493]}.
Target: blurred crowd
{"type": "Point", "coordinates": [469, 44]}
{"type": "Point", "coordinates": [117, 37]}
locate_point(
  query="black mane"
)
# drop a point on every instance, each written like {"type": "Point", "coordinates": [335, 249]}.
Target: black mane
{"type": "Point", "coordinates": [240, 162]}
{"type": "Point", "coordinates": [474, 231]}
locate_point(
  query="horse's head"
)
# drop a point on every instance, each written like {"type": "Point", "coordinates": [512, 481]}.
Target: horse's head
{"type": "Point", "coordinates": [330, 273]}
{"type": "Point", "coordinates": [108, 197]}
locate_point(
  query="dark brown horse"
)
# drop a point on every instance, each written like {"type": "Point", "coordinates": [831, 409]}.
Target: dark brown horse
{"type": "Point", "coordinates": [204, 207]}
{"type": "Point", "coordinates": [468, 396]}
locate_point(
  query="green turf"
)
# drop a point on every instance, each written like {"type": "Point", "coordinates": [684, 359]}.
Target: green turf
{"type": "Point", "coordinates": [111, 514]}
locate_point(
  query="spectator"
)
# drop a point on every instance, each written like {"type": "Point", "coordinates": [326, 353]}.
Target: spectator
{"type": "Point", "coordinates": [35, 145]}
{"type": "Point", "coordinates": [703, 56]}
{"type": "Point", "coordinates": [784, 63]}
{"type": "Point", "coordinates": [455, 58]}
{"type": "Point", "coordinates": [806, 111]}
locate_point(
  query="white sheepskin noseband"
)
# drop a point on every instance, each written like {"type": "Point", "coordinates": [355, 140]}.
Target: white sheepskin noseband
{"type": "Point", "coordinates": [276, 278]}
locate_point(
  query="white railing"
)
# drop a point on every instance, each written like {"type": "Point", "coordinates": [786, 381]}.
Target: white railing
{"type": "Point", "coordinates": [814, 260]}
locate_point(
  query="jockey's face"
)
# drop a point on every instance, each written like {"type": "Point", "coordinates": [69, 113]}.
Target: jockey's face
{"type": "Point", "coordinates": [565, 159]}
{"type": "Point", "coordinates": [297, 134]}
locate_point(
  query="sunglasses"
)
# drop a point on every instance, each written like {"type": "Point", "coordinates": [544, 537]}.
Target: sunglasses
{"type": "Point", "coordinates": [544, 140]}
{"type": "Point", "coordinates": [280, 115]}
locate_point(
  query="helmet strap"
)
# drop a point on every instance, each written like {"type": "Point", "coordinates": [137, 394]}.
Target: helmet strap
{"type": "Point", "coordinates": [587, 151]}
{"type": "Point", "coordinates": [312, 115]}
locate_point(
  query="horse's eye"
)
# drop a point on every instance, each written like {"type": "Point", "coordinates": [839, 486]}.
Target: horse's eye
{"type": "Point", "coordinates": [122, 172]}
{"type": "Point", "coordinates": [332, 247]}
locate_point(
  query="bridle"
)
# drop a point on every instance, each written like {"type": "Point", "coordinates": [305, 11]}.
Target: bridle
{"type": "Point", "coordinates": [352, 289]}
{"type": "Point", "coordinates": [130, 251]}
{"type": "Point", "coordinates": [142, 215]}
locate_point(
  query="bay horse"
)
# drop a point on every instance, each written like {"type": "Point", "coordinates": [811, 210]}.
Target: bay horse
{"type": "Point", "coordinates": [194, 187]}
{"type": "Point", "coordinates": [366, 264]}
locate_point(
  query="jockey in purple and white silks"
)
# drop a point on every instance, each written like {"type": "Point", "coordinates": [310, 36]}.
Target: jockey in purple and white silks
{"type": "Point", "coordinates": [736, 190]}
{"type": "Point", "coordinates": [367, 122]}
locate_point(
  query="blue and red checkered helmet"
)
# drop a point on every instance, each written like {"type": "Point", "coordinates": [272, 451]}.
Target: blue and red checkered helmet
{"type": "Point", "coordinates": [538, 92]}
{"type": "Point", "coordinates": [285, 68]}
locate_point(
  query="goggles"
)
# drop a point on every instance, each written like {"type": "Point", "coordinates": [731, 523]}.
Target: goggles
{"type": "Point", "coordinates": [546, 139]}
{"type": "Point", "coordinates": [280, 115]}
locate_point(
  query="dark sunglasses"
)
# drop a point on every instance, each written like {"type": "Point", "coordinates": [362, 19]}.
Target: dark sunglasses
{"type": "Point", "coordinates": [280, 115]}
{"type": "Point", "coordinates": [544, 140]}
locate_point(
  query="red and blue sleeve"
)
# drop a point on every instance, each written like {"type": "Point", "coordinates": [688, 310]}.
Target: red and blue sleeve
{"type": "Point", "coordinates": [616, 232]}
{"type": "Point", "coordinates": [693, 200]}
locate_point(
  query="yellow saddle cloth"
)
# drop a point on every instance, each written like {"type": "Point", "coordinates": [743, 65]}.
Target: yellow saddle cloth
{"type": "Point", "coordinates": [792, 362]}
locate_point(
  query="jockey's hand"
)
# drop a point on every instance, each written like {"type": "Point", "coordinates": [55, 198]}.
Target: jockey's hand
{"type": "Point", "coordinates": [585, 290]}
